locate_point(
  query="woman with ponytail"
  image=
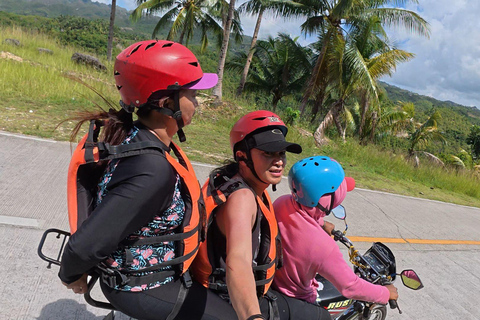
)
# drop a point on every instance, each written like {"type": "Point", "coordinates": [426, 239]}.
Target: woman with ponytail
{"type": "Point", "coordinates": [143, 232]}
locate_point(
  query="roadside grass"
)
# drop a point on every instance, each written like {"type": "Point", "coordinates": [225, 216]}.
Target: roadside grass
{"type": "Point", "coordinates": [37, 94]}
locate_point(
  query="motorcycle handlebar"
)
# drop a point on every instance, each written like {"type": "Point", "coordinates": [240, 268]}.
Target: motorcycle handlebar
{"type": "Point", "coordinates": [337, 235]}
{"type": "Point", "coordinates": [393, 304]}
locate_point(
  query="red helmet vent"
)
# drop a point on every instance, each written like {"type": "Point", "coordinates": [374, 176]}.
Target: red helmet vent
{"type": "Point", "coordinates": [134, 50]}
{"type": "Point", "coordinates": [150, 45]}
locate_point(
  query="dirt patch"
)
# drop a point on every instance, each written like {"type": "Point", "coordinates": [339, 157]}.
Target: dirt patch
{"type": "Point", "coordinates": [10, 56]}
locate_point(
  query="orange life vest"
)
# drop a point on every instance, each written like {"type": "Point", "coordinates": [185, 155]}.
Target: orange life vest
{"type": "Point", "coordinates": [86, 167]}
{"type": "Point", "coordinates": [206, 267]}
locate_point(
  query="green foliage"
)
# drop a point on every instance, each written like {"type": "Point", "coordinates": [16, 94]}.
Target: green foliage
{"type": "Point", "coordinates": [90, 35]}
{"type": "Point", "coordinates": [290, 115]}
{"type": "Point", "coordinates": [473, 140]}
{"type": "Point", "coordinates": [279, 68]}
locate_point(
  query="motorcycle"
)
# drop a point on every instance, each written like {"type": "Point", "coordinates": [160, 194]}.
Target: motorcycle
{"type": "Point", "coordinates": [377, 265]}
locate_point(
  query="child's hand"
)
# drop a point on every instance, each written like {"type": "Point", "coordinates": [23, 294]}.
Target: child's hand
{"type": "Point", "coordinates": [393, 291]}
{"type": "Point", "coordinates": [328, 227]}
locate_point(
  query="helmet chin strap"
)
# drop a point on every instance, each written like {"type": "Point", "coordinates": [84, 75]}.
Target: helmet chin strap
{"type": "Point", "coordinates": [332, 200]}
{"type": "Point", "coordinates": [248, 161]}
{"type": "Point", "coordinates": [177, 113]}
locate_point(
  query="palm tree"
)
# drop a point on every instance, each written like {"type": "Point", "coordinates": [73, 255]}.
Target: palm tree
{"type": "Point", "coordinates": [388, 122]}
{"type": "Point", "coordinates": [187, 17]}
{"type": "Point", "coordinates": [380, 56]}
{"type": "Point", "coordinates": [425, 133]}
{"type": "Point", "coordinates": [259, 7]}
{"type": "Point", "coordinates": [110, 30]}
{"type": "Point", "coordinates": [217, 90]}
{"type": "Point", "coordinates": [340, 65]}
{"type": "Point", "coordinates": [280, 67]}
{"type": "Point", "coordinates": [220, 9]}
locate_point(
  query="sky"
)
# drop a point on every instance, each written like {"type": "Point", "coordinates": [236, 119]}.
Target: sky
{"type": "Point", "coordinates": [446, 66]}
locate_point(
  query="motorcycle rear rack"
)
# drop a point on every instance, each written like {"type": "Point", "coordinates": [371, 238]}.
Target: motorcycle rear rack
{"type": "Point", "coordinates": [64, 235]}
{"type": "Point", "coordinates": [50, 260]}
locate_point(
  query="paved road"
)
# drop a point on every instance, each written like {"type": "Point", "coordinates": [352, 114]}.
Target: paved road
{"type": "Point", "coordinates": [32, 199]}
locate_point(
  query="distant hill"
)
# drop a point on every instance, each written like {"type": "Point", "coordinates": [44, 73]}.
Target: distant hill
{"type": "Point", "coordinates": [425, 102]}
{"type": "Point", "coordinates": [80, 8]}
{"type": "Point", "coordinates": [94, 10]}
{"type": "Point", "coordinates": [456, 118]}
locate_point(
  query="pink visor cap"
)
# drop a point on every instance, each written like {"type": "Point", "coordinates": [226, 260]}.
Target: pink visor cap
{"type": "Point", "coordinates": [350, 183]}
{"type": "Point", "coordinates": [209, 80]}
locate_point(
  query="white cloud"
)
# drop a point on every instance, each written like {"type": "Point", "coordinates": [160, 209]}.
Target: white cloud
{"type": "Point", "coordinates": [446, 67]}
{"type": "Point", "coordinates": [127, 4]}
{"type": "Point", "coordinates": [104, 1]}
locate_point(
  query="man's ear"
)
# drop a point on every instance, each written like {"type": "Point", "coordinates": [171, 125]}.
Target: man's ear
{"type": "Point", "coordinates": [240, 156]}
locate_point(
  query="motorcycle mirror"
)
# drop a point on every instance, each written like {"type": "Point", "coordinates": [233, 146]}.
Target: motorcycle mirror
{"type": "Point", "coordinates": [339, 212]}
{"type": "Point", "coordinates": [411, 280]}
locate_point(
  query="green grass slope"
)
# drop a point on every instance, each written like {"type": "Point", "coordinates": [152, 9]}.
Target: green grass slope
{"type": "Point", "coordinates": [37, 94]}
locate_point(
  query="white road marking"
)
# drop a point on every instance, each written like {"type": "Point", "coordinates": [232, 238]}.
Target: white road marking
{"type": "Point", "coordinates": [3, 133]}
{"type": "Point", "coordinates": [18, 221]}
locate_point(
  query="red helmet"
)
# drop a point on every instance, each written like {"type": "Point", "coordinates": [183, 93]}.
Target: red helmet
{"type": "Point", "coordinates": [264, 130]}
{"type": "Point", "coordinates": [253, 121]}
{"type": "Point", "coordinates": [148, 66]}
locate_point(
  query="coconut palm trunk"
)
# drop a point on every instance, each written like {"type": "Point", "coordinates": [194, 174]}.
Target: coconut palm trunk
{"type": "Point", "coordinates": [110, 30]}
{"type": "Point", "coordinates": [319, 135]}
{"type": "Point", "coordinates": [182, 35]}
{"type": "Point", "coordinates": [312, 82]}
{"type": "Point", "coordinates": [217, 90]}
{"type": "Point", "coordinates": [337, 108]}
{"type": "Point", "coordinates": [250, 53]}
{"type": "Point", "coordinates": [374, 125]}
{"type": "Point", "coordinates": [363, 114]}
{"type": "Point", "coordinates": [333, 115]}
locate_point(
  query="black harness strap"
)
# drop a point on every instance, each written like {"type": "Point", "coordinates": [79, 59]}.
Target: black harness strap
{"type": "Point", "coordinates": [263, 267]}
{"type": "Point", "coordinates": [264, 281]}
{"type": "Point", "coordinates": [182, 294]}
{"type": "Point", "coordinates": [163, 264]}
{"type": "Point", "coordinates": [273, 312]}
{"type": "Point", "coordinates": [157, 239]}
{"type": "Point", "coordinates": [109, 152]}
{"type": "Point", "coordinates": [92, 138]}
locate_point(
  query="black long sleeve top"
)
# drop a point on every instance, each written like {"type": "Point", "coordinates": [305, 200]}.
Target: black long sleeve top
{"type": "Point", "coordinates": [140, 188]}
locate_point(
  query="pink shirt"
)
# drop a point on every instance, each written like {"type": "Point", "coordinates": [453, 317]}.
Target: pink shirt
{"type": "Point", "coordinates": [308, 250]}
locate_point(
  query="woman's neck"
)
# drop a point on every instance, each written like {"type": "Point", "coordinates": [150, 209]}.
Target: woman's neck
{"type": "Point", "coordinates": [162, 135]}
{"type": "Point", "coordinates": [158, 129]}
{"type": "Point", "coordinates": [253, 182]}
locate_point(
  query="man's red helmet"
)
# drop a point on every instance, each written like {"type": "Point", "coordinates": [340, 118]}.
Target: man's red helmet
{"type": "Point", "coordinates": [152, 65]}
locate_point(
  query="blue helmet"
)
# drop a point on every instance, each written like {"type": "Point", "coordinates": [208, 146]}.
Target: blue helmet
{"type": "Point", "coordinates": [311, 178]}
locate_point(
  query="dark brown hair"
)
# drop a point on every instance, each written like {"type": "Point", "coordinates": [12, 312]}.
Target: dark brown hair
{"type": "Point", "coordinates": [117, 123]}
